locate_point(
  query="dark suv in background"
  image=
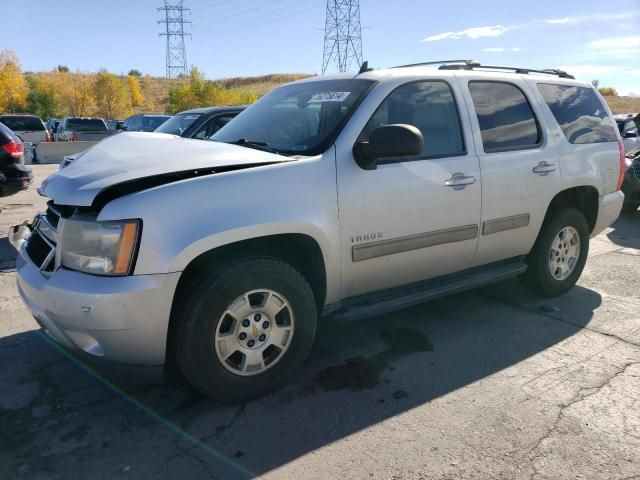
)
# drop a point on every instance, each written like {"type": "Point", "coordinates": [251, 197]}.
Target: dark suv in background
{"type": "Point", "coordinates": [144, 122]}
{"type": "Point", "coordinates": [629, 128]}
{"type": "Point", "coordinates": [14, 175]}
{"type": "Point", "coordinates": [200, 123]}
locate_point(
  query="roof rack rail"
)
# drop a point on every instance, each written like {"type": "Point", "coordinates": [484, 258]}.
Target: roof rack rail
{"type": "Point", "coordinates": [438, 62]}
{"type": "Point", "coordinates": [468, 66]}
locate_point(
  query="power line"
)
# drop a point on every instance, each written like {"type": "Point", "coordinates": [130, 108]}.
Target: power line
{"type": "Point", "coordinates": [265, 22]}
{"type": "Point", "coordinates": [229, 14]}
{"type": "Point", "coordinates": [342, 35]}
{"type": "Point", "coordinates": [174, 22]}
{"type": "Point", "coordinates": [226, 5]}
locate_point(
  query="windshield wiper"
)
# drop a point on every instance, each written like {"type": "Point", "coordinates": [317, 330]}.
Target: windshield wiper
{"type": "Point", "coordinates": [256, 145]}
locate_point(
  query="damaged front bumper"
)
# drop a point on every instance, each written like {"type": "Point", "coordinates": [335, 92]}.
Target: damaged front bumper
{"type": "Point", "coordinates": [118, 319]}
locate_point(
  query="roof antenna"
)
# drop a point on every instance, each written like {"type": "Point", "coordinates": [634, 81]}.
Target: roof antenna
{"type": "Point", "coordinates": [364, 68]}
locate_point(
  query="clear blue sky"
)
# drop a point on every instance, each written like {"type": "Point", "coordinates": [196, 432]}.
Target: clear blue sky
{"type": "Point", "coordinates": [592, 39]}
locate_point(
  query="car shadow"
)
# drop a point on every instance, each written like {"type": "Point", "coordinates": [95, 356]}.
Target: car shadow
{"type": "Point", "coordinates": [626, 231]}
{"type": "Point", "coordinates": [70, 419]}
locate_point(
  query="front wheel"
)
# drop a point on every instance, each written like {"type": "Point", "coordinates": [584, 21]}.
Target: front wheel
{"type": "Point", "coordinates": [245, 328]}
{"type": "Point", "coordinates": [559, 255]}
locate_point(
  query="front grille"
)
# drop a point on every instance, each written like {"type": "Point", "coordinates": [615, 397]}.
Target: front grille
{"type": "Point", "coordinates": [39, 251]}
{"type": "Point", "coordinates": [53, 217]}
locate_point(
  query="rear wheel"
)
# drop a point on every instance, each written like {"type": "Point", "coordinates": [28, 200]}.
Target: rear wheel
{"type": "Point", "coordinates": [559, 255]}
{"type": "Point", "coordinates": [245, 328]}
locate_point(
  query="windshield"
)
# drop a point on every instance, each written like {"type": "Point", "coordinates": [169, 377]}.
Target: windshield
{"type": "Point", "coordinates": [21, 123]}
{"type": "Point", "coordinates": [299, 119]}
{"type": "Point", "coordinates": [149, 124]}
{"type": "Point", "coordinates": [86, 125]}
{"type": "Point", "coordinates": [177, 124]}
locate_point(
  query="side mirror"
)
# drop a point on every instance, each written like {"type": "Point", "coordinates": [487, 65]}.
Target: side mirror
{"type": "Point", "coordinates": [631, 135]}
{"type": "Point", "coordinates": [390, 141]}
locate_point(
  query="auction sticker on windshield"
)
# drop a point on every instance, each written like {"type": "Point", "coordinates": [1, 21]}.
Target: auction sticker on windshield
{"type": "Point", "coordinates": [329, 97]}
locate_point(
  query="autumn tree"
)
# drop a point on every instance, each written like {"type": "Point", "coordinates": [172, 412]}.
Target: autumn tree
{"type": "Point", "coordinates": [135, 94]}
{"type": "Point", "coordinates": [608, 92]}
{"type": "Point", "coordinates": [43, 99]}
{"type": "Point", "coordinates": [200, 92]}
{"type": "Point", "coordinates": [76, 92]}
{"type": "Point", "coordinates": [13, 88]}
{"type": "Point", "coordinates": [112, 100]}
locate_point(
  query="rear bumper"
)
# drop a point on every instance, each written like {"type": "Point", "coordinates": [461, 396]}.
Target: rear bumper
{"type": "Point", "coordinates": [14, 178]}
{"type": "Point", "coordinates": [608, 211]}
{"type": "Point", "coordinates": [118, 319]}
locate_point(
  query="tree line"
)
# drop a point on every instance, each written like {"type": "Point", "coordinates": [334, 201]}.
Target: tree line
{"type": "Point", "coordinates": [60, 93]}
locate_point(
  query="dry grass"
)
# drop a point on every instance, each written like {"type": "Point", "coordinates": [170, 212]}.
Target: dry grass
{"type": "Point", "coordinates": [623, 104]}
{"type": "Point", "coordinates": [263, 84]}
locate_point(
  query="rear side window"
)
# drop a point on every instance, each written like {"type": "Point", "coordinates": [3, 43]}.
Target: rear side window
{"type": "Point", "coordinates": [430, 107]}
{"type": "Point", "coordinates": [86, 125]}
{"type": "Point", "coordinates": [149, 124]}
{"type": "Point", "coordinates": [630, 128]}
{"type": "Point", "coordinates": [506, 119]}
{"type": "Point", "coordinates": [579, 112]}
{"type": "Point", "coordinates": [20, 123]}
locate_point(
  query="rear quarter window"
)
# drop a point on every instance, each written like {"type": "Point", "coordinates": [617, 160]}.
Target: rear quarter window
{"type": "Point", "coordinates": [579, 112]}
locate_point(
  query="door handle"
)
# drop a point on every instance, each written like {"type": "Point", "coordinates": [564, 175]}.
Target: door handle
{"type": "Point", "coordinates": [543, 168]}
{"type": "Point", "coordinates": [459, 180]}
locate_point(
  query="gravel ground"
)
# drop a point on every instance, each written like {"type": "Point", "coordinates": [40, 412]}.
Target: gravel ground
{"type": "Point", "coordinates": [493, 383]}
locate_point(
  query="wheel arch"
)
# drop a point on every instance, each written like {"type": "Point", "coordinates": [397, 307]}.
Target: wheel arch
{"type": "Point", "coordinates": [301, 251]}
{"type": "Point", "coordinates": [583, 198]}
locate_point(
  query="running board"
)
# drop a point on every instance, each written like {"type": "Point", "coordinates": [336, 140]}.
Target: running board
{"type": "Point", "coordinates": [385, 301]}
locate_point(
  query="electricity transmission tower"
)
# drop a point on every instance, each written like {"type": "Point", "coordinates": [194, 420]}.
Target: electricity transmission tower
{"type": "Point", "coordinates": [342, 35]}
{"type": "Point", "coordinates": [174, 31]}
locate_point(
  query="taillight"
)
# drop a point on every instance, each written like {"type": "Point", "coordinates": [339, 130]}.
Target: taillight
{"type": "Point", "coordinates": [74, 137]}
{"type": "Point", "coordinates": [47, 136]}
{"type": "Point", "coordinates": [14, 149]}
{"type": "Point", "coordinates": [623, 165]}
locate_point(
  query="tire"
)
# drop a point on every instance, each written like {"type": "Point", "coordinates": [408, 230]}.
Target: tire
{"type": "Point", "coordinates": [203, 314]}
{"type": "Point", "coordinates": [629, 207]}
{"type": "Point", "coordinates": [539, 277]}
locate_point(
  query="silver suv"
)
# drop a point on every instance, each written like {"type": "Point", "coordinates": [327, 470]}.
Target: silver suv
{"type": "Point", "coordinates": [346, 195]}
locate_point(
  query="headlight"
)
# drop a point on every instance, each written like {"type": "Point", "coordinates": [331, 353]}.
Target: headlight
{"type": "Point", "coordinates": [101, 248]}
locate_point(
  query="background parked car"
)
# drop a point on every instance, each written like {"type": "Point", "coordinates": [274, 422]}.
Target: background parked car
{"type": "Point", "coordinates": [631, 185]}
{"type": "Point", "coordinates": [52, 125]}
{"type": "Point", "coordinates": [75, 129]}
{"type": "Point", "coordinates": [30, 128]}
{"type": "Point", "coordinates": [200, 122]}
{"type": "Point", "coordinates": [115, 126]}
{"type": "Point", "coordinates": [14, 175]}
{"type": "Point", "coordinates": [144, 122]}
{"type": "Point", "coordinates": [629, 126]}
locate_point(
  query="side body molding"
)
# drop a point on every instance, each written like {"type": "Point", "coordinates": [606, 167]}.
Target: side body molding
{"type": "Point", "coordinates": [413, 242]}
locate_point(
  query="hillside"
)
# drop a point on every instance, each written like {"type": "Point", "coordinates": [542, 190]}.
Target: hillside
{"type": "Point", "coordinates": [263, 84]}
{"type": "Point", "coordinates": [156, 90]}
{"type": "Point", "coordinates": [623, 104]}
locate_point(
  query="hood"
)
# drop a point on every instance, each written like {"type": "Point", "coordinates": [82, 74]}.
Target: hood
{"type": "Point", "coordinates": [127, 158]}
